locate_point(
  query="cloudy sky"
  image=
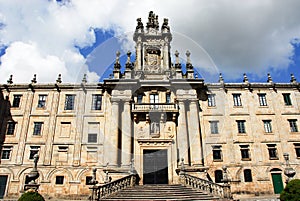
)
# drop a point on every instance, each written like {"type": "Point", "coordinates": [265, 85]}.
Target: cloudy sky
{"type": "Point", "coordinates": [72, 37]}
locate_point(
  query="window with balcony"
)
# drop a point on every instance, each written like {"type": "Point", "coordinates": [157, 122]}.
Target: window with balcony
{"type": "Point", "coordinates": [211, 100]}
{"type": "Point", "coordinates": [272, 151]}
{"type": "Point", "coordinates": [11, 125]}
{"type": "Point", "coordinates": [267, 126]}
{"type": "Point", "coordinates": [287, 99]}
{"type": "Point", "coordinates": [69, 102]}
{"type": "Point", "coordinates": [262, 99]}
{"type": "Point", "coordinates": [140, 98]}
{"type": "Point", "coordinates": [42, 101]}
{"type": "Point", "coordinates": [217, 153]}
{"type": "Point", "coordinates": [237, 100]}
{"type": "Point", "coordinates": [214, 127]}
{"type": "Point", "coordinates": [16, 101]}
{"type": "Point", "coordinates": [247, 175]}
{"type": "Point", "coordinates": [6, 152]}
{"type": "Point", "coordinates": [96, 101]}
{"type": "Point", "coordinates": [293, 125]}
{"type": "Point", "coordinates": [245, 153]}
{"type": "Point", "coordinates": [241, 126]}
{"type": "Point", "coordinates": [168, 98]}
{"type": "Point", "coordinates": [37, 129]}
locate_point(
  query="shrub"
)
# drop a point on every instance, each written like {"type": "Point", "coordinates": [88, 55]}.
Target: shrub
{"type": "Point", "coordinates": [291, 192]}
{"type": "Point", "coordinates": [31, 196]}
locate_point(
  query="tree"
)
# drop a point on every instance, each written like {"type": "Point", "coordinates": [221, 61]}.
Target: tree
{"type": "Point", "coordinates": [31, 196]}
{"type": "Point", "coordinates": [292, 191]}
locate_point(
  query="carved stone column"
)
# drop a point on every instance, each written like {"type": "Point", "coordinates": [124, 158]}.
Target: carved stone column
{"type": "Point", "coordinates": [111, 139]}
{"type": "Point", "coordinates": [182, 138]}
{"type": "Point", "coordinates": [126, 135]}
{"type": "Point", "coordinates": [194, 133]}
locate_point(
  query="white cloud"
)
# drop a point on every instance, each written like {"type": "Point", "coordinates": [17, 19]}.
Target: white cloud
{"type": "Point", "coordinates": [237, 36]}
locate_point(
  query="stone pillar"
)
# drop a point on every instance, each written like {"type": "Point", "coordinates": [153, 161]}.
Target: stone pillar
{"type": "Point", "coordinates": [51, 130]}
{"type": "Point", "coordinates": [138, 56]}
{"type": "Point", "coordinates": [126, 135]}
{"type": "Point", "coordinates": [166, 57]}
{"type": "Point", "coordinates": [194, 133]}
{"type": "Point", "coordinates": [24, 126]}
{"type": "Point", "coordinates": [111, 139]}
{"type": "Point", "coordinates": [182, 138]}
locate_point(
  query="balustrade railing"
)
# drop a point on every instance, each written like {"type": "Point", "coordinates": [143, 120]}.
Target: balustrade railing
{"type": "Point", "coordinates": [103, 190]}
{"type": "Point", "coordinates": [154, 106]}
{"type": "Point", "coordinates": [214, 189]}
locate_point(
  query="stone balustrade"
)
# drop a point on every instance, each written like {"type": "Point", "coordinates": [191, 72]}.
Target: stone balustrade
{"type": "Point", "coordinates": [145, 107]}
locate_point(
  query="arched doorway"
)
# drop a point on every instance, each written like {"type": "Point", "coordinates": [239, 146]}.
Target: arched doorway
{"type": "Point", "coordinates": [277, 180]}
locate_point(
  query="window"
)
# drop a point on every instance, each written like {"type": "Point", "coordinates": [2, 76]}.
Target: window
{"type": "Point", "coordinates": [16, 101]}
{"type": "Point", "coordinates": [88, 180]}
{"type": "Point", "coordinates": [217, 153]}
{"type": "Point", "coordinates": [154, 99]}
{"type": "Point", "coordinates": [33, 150]}
{"type": "Point", "coordinates": [42, 101]}
{"type": "Point", "coordinates": [96, 102]}
{"type": "Point", "coordinates": [140, 98]}
{"type": "Point", "coordinates": [272, 151]}
{"type": "Point", "coordinates": [214, 127]}
{"type": "Point", "coordinates": [293, 125]}
{"type": "Point", "coordinates": [92, 138]}
{"type": "Point", "coordinates": [245, 152]}
{"type": "Point", "coordinates": [218, 176]}
{"type": "Point", "coordinates": [37, 129]}
{"type": "Point", "coordinates": [267, 126]}
{"type": "Point", "coordinates": [168, 98]}
{"type": "Point", "coordinates": [63, 148]}
{"type": "Point", "coordinates": [262, 99]}
{"type": "Point", "coordinates": [10, 128]}
{"type": "Point", "coordinates": [211, 100]}
{"type": "Point", "coordinates": [59, 180]}
{"type": "Point", "coordinates": [69, 102]}
{"type": "Point", "coordinates": [237, 100]}
{"type": "Point", "coordinates": [6, 150]}
{"type": "Point", "coordinates": [287, 99]}
{"type": "Point", "coordinates": [247, 175]}
{"type": "Point", "coordinates": [297, 149]}
{"type": "Point", "coordinates": [241, 126]}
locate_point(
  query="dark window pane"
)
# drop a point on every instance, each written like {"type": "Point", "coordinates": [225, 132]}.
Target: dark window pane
{"type": "Point", "coordinates": [59, 180]}
{"type": "Point", "coordinates": [42, 101]}
{"type": "Point", "coordinates": [218, 176]}
{"type": "Point", "coordinates": [247, 175]}
{"type": "Point", "coordinates": [96, 102]}
{"type": "Point", "coordinates": [69, 102]}
{"type": "Point", "coordinates": [287, 99]}
{"type": "Point", "coordinates": [92, 138]}
{"type": "Point", "coordinates": [37, 130]}
{"type": "Point", "coordinates": [16, 101]}
{"type": "Point", "coordinates": [88, 180]}
{"type": "Point", "coordinates": [10, 128]}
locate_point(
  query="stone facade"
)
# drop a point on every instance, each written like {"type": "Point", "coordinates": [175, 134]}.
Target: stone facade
{"type": "Point", "coordinates": [149, 111]}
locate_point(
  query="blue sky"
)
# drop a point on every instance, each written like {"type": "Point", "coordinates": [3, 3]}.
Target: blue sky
{"type": "Point", "coordinates": [73, 37]}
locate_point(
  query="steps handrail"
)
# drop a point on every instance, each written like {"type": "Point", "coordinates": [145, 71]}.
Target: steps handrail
{"type": "Point", "coordinates": [103, 190]}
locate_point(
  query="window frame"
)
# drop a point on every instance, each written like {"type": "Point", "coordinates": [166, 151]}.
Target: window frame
{"type": "Point", "coordinates": [237, 100]}
{"type": "Point", "coordinates": [297, 149]}
{"type": "Point", "coordinates": [241, 126]}
{"type": "Point", "coordinates": [293, 125]}
{"type": "Point", "coordinates": [287, 99]}
{"type": "Point", "coordinates": [168, 97]}
{"type": "Point", "coordinates": [262, 99]}
{"type": "Point", "coordinates": [96, 102]}
{"type": "Point", "coordinates": [37, 128]}
{"type": "Point", "coordinates": [11, 130]}
{"type": "Point", "coordinates": [7, 150]}
{"type": "Point", "coordinates": [245, 153]}
{"type": "Point", "coordinates": [59, 180]}
{"type": "Point", "coordinates": [42, 101]}
{"type": "Point", "coordinates": [218, 176]}
{"type": "Point", "coordinates": [214, 127]}
{"type": "Point", "coordinates": [16, 101]}
{"type": "Point", "coordinates": [272, 150]}
{"type": "Point", "coordinates": [248, 175]}
{"type": "Point", "coordinates": [70, 102]}
{"type": "Point", "coordinates": [211, 100]}
{"type": "Point", "coordinates": [33, 150]}
{"type": "Point", "coordinates": [95, 136]}
{"type": "Point", "coordinates": [267, 126]}
{"type": "Point", "coordinates": [217, 153]}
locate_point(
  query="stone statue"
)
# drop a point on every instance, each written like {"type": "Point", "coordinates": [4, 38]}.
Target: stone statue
{"type": "Point", "coordinates": [33, 175]}
{"type": "Point", "coordinates": [139, 24]}
{"type": "Point", "coordinates": [165, 24]}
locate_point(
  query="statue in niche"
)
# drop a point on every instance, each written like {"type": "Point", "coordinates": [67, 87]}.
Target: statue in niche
{"type": "Point", "coordinates": [154, 128]}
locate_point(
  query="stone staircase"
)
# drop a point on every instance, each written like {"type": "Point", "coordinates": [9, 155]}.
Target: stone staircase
{"type": "Point", "coordinates": [160, 192]}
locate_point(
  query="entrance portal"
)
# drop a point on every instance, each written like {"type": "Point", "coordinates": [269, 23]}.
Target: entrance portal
{"type": "Point", "coordinates": [155, 166]}
{"type": "Point", "coordinates": [3, 182]}
{"type": "Point", "coordinates": [277, 182]}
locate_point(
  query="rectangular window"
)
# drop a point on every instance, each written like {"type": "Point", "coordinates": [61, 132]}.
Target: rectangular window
{"type": "Point", "coordinates": [96, 102]}
{"type": "Point", "coordinates": [6, 150]}
{"type": "Point", "coordinates": [92, 138]}
{"type": "Point", "coordinates": [11, 125]}
{"type": "Point", "coordinates": [247, 175]}
{"type": "Point", "coordinates": [241, 126]}
{"type": "Point", "coordinates": [69, 102]}
{"type": "Point", "coordinates": [59, 180]}
{"type": "Point", "coordinates": [267, 126]}
{"type": "Point", "coordinates": [245, 152]}
{"type": "Point", "coordinates": [37, 129]}
{"type": "Point", "coordinates": [42, 101]}
{"type": "Point", "coordinates": [88, 180]}
{"type": "Point", "coordinates": [214, 127]}
{"type": "Point", "coordinates": [16, 100]}
{"type": "Point", "coordinates": [297, 149]}
{"type": "Point", "coordinates": [153, 100]}
{"type": "Point", "coordinates": [218, 176]}
{"type": "Point", "coordinates": [293, 125]}
{"type": "Point", "coordinates": [287, 99]}
{"type": "Point", "coordinates": [272, 151]}
{"type": "Point", "coordinates": [211, 100]}
{"type": "Point", "coordinates": [262, 99]}
{"type": "Point", "coordinates": [140, 98]}
{"type": "Point", "coordinates": [217, 153]}
{"type": "Point", "coordinates": [168, 98]}
{"type": "Point", "coordinates": [237, 100]}
{"type": "Point", "coordinates": [33, 150]}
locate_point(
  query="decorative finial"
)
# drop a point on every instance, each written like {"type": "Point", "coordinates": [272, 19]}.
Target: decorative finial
{"type": "Point", "coordinates": [33, 81]}
{"type": "Point", "coordinates": [188, 54]}
{"type": "Point", "coordinates": [293, 79]}
{"type": "Point", "coordinates": [10, 81]}
{"type": "Point", "coordinates": [118, 56]}
{"type": "Point", "coordinates": [269, 78]}
{"type": "Point", "coordinates": [139, 24]}
{"type": "Point", "coordinates": [128, 57]}
{"type": "Point", "coordinates": [177, 57]}
{"type": "Point", "coordinates": [221, 80]}
{"type": "Point", "coordinates": [245, 78]}
{"type": "Point", "coordinates": [58, 78]}
{"type": "Point", "coordinates": [84, 80]}
{"type": "Point", "coordinates": [165, 25]}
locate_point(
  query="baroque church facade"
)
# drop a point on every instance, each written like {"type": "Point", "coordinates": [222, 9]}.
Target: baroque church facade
{"type": "Point", "coordinates": [154, 116]}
